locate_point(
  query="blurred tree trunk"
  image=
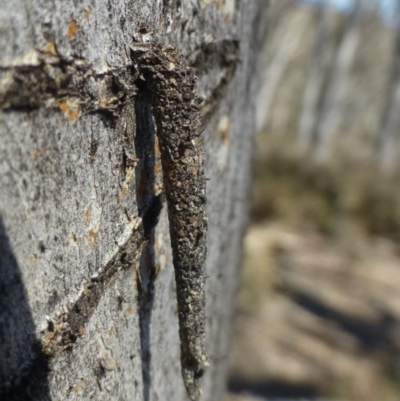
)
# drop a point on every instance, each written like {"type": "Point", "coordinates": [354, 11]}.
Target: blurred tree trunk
{"type": "Point", "coordinates": [390, 134]}
{"type": "Point", "coordinates": [285, 44]}
{"type": "Point", "coordinates": [87, 299]}
{"type": "Point", "coordinates": [319, 68]}
{"type": "Point", "coordinates": [336, 94]}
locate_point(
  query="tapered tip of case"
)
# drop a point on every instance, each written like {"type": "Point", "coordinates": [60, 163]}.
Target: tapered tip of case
{"type": "Point", "coordinates": [192, 384]}
{"type": "Point", "coordinates": [191, 378]}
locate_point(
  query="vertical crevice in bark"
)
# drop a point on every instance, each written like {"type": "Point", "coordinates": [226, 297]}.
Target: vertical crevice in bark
{"type": "Point", "coordinates": [149, 205]}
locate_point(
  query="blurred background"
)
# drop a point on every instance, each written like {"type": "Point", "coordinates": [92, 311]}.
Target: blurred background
{"type": "Point", "coordinates": [319, 308]}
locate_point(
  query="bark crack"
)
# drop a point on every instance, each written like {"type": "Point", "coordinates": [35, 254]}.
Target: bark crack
{"type": "Point", "coordinates": [46, 79]}
{"type": "Point", "coordinates": [63, 330]}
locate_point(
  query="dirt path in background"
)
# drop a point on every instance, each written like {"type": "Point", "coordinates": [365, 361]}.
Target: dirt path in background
{"type": "Point", "coordinates": [318, 317]}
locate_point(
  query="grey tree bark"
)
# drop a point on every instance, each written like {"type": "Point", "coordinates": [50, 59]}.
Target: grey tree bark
{"type": "Point", "coordinates": [87, 291]}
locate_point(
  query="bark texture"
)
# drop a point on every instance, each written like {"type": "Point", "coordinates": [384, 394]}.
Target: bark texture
{"type": "Point", "coordinates": [87, 291]}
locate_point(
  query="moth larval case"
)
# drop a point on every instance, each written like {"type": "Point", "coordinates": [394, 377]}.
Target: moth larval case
{"type": "Point", "coordinates": [171, 85]}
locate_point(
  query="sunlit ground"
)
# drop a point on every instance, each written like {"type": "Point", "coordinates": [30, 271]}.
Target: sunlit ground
{"type": "Point", "coordinates": [319, 311]}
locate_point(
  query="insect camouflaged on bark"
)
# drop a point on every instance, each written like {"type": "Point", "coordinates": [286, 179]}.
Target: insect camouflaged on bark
{"type": "Point", "coordinates": [171, 85]}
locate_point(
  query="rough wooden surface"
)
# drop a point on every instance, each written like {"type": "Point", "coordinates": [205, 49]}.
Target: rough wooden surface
{"type": "Point", "coordinates": [80, 179]}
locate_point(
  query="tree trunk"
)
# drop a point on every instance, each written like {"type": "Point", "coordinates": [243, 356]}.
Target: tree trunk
{"type": "Point", "coordinates": [87, 292]}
